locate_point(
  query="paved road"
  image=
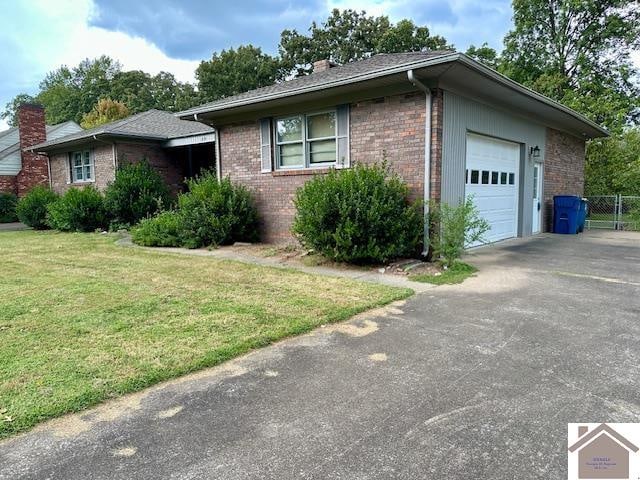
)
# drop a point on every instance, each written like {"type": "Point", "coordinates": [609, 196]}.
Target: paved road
{"type": "Point", "coordinates": [470, 381]}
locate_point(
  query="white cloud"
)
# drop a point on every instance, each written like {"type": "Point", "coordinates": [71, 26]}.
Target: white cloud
{"type": "Point", "coordinates": [77, 41]}
{"type": "Point", "coordinates": [58, 33]}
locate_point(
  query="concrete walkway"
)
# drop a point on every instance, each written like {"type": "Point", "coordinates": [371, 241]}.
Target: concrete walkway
{"type": "Point", "coordinates": [364, 275]}
{"type": "Point", "coordinates": [12, 227]}
{"type": "Point", "coordinates": [469, 381]}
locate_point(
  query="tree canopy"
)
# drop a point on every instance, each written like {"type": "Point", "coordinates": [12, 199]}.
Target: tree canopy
{"type": "Point", "coordinates": [71, 93]}
{"type": "Point", "coordinates": [105, 111]}
{"type": "Point", "coordinates": [576, 52]}
{"type": "Point", "coordinates": [349, 35]}
{"type": "Point", "coordinates": [235, 71]}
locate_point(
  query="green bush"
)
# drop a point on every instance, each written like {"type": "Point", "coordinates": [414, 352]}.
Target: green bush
{"type": "Point", "coordinates": [78, 210]}
{"type": "Point", "coordinates": [137, 192]}
{"type": "Point", "coordinates": [163, 230]}
{"type": "Point", "coordinates": [359, 215]}
{"type": "Point", "coordinates": [216, 212]}
{"type": "Point", "coordinates": [32, 208]}
{"type": "Point", "coordinates": [454, 228]}
{"type": "Point", "coordinates": [8, 203]}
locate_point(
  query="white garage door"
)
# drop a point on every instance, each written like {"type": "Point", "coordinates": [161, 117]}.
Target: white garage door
{"type": "Point", "coordinates": [492, 178]}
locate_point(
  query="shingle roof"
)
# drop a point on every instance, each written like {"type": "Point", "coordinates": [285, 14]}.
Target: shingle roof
{"type": "Point", "coordinates": [152, 124]}
{"type": "Point", "coordinates": [352, 70]}
{"type": "Point", "coordinates": [50, 129]}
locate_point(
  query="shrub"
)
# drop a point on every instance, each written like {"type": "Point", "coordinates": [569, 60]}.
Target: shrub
{"type": "Point", "coordinates": [163, 230]}
{"type": "Point", "coordinates": [8, 203]}
{"type": "Point", "coordinates": [359, 215]}
{"type": "Point", "coordinates": [78, 210]}
{"type": "Point", "coordinates": [32, 208]}
{"type": "Point", "coordinates": [454, 228]}
{"type": "Point", "coordinates": [137, 192]}
{"type": "Point", "coordinates": [216, 212]}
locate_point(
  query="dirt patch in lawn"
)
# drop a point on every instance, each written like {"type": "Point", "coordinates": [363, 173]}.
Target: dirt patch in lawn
{"type": "Point", "coordinates": [295, 255]}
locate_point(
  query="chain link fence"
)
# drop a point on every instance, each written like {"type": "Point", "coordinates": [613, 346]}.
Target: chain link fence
{"type": "Point", "coordinates": [614, 212]}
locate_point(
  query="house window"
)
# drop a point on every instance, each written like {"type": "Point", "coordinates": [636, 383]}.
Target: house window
{"type": "Point", "coordinates": [304, 141]}
{"type": "Point", "coordinates": [81, 165]}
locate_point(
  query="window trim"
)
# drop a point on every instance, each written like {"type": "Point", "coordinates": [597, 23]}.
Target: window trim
{"type": "Point", "coordinates": [91, 164]}
{"type": "Point", "coordinates": [306, 141]}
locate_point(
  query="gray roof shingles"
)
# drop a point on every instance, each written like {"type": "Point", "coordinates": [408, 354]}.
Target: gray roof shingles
{"type": "Point", "coordinates": [152, 124]}
{"type": "Point", "coordinates": [352, 70]}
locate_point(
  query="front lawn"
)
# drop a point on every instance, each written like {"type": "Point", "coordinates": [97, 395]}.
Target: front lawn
{"type": "Point", "coordinates": [83, 320]}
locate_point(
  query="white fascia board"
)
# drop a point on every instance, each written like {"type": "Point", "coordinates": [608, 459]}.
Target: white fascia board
{"type": "Point", "coordinates": [190, 140]}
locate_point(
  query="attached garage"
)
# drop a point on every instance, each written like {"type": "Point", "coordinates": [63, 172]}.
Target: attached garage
{"type": "Point", "coordinates": [492, 172]}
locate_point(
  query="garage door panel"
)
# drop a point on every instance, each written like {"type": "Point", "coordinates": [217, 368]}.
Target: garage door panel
{"type": "Point", "coordinates": [492, 179]}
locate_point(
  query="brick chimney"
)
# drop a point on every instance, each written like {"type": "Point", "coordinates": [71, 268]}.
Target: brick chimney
{"type": "Point", "coordinates": [32, 130]}
{"type": "Point", "coordinates": [322, 65]}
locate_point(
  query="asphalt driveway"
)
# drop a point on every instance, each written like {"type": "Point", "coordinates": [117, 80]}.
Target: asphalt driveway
{"type": "Point", "coordinates": [477, 380]}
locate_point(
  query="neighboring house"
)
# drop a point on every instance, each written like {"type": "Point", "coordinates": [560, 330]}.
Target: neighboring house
{"type": "Point", "coordinates": [448, 125]}
{"type": "Point", "coordinates": [602, 453]}
{"type": "Point", "coordinates": [176, 148]}
{"type": "Point", "coordinates": [21, 170]}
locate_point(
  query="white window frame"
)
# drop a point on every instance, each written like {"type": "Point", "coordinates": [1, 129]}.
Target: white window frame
{"type": "Point", "coordinates": [84, 155]}
{"type": "Point", "coordinates": [306, 141]}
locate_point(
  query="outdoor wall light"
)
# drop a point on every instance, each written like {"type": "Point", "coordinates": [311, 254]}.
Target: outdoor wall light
{"type": "Point", "coordinates": [535, 152]}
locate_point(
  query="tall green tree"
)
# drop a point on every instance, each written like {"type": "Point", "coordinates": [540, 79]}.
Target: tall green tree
{"type": "Point", "coordinates": [235, 71]}
{"type": "Point", "coordinates": [11, 108]}
{"type": "Point", "coordinates": [613, 164]}
{"type": "Point", "coordinates": [70, 93]}
{"type": "Point", "coordinates": [578, 52]}
{"type": "Point", "coordinates": [349, 35]}
{"type": "Point", "coordinates": [485, 54]}
{"type": "Point", "coordinates": [141, 91]}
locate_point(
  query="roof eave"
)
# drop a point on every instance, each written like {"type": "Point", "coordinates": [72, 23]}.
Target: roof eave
{"type": "Point", "coordinates": [303, 90]}
{"type": "Point", "coordinates": [55, 145]}
{"type": "Point", "coordinates": [448, 58]}
{"type": "Point", "coordinates": [506, 81]}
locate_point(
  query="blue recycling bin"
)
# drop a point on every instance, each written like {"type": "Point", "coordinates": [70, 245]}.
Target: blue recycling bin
{"type": "Point", "coordinates": [566, 213]}
{"type": "Point", "coordinates": [582, 214]}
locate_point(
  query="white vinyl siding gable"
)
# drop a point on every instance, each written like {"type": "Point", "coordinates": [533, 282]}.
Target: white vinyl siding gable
{"type": "Point", "coordinates": [11, 164]}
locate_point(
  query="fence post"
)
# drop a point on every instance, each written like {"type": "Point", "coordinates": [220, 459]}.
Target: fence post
{"type": "Point", "coordinates": [618, 210]}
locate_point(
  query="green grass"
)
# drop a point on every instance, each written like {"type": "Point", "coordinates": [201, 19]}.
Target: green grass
{"type": "Point", "coordinates": [458, 273]}
{"type": "Point", "coordinates": [83, 320]}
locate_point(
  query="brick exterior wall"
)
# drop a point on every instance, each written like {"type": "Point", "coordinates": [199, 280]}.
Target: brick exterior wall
{"type": "Point", "coordinates": [563, 169]}
{"type": "Point", "coordinates": [105, 169]}
{"type": "Point", "coordinates": [157, 157]}
{"type": "Point", "coordinates": [8, 184]}
{"type": "Point", "coordinates": [104, 172]}
{"type": "Point", "coordinates": [32, 129]}
{"type": "Point", "coordinates": [391, 126]}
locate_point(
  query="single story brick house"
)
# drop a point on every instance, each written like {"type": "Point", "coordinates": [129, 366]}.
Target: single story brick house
{"type": "Point", "coordinates": [447, 124]}
{"type": "Point", "coordinates": [20, 169]}
{"type": "Point", "coordinates": [177, 148]}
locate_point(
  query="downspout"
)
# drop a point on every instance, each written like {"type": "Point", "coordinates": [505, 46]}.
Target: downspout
{"type": "Point", "coordinates": [427, 155]}
{"type": "Point", "coordinates": [114, 153]}
{"type": "Point", "coordinates": [49, 172]}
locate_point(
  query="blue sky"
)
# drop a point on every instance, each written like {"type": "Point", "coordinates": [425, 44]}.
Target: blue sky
{"type": "Point", "coordinates": [38, 36]}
